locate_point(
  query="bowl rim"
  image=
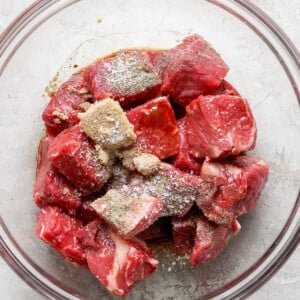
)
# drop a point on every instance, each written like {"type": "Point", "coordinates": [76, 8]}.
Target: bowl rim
{"type": "Point", "coordinates": [269, 266]}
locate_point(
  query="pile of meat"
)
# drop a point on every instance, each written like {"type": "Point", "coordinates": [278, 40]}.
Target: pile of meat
{"type": "Point", "coordinates": [146, 145]}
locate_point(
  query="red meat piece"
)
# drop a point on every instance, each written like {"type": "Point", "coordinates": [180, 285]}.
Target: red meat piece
{"type": "Point", "coordinates": [157, 231]}
{"type": "Point", "coordinates": [156, 128]}
{"type": "Point", "coordinates": [231, 188]}
{"type": "Point", "coordinates": [60, 232]}
{"type": "Point", "coordinates": [219, 126]}
{"type": "Point", "coordinates": [128, 210]}
{"type": "Point", "coordinates": [118, 263]}
{"type": "Point", "coordinates": [72, 153]}
{"type": "Point", "coordinates": [184, 160]}
{"type": "Point", "coordinates": [63, 108]}
{"type": "Point", "coordinates": [128, 77]}
{"type": "Point", "coordinates": [226, 88]}
{"type": "Point", "coordinates": [193, 68]}
{"type": "Point", "coordinates": [210, 239]}
{"type": "Point", "coordinates": [240, 181]}
{"type": "Point", "coordinates": [255, 171]}
{"type": "Point", "coordinates": [177, 189]}
{"type": "Point", "coordinates": [51, 188]}
{"type": "Point", "coordinates": [184, 230]}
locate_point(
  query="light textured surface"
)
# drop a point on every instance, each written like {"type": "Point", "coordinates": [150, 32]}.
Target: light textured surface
{"type": "Point", "coordinates": [286, 283]}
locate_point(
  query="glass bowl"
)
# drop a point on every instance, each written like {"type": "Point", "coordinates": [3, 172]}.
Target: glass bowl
{"type": "Point", "coordinates": [264, 66]}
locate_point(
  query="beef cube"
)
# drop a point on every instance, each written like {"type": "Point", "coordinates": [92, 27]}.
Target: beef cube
{"type": "Point", "coordinates": [231, 188]}
{"type": "Point", "coordinates": [117, 262]}
{"type": "Point", "coordinates": [156, 128]}
{"type": "Point", "coordinates": [209, 240]}
{"type": "Point", "coordinates": [193, 68]}
{"type": "Point", "coordinates": [60, 232]}
{"type": "Point", "coordinates": [226, 88]}
{"type": "Point", "coordinates": [159, 230]}
{"type": "Point", "coordinates": [184, 230]}
{"type": "Point", "coordinates": [128, 210]}
{"type": "Point", "coordinates": [72, 153]}
{"type": "Point", "coordinates": [177, 189]}
{"type": "Point", "coordinates": [51, 188]}
{"type": "Point", "coordinates": [128, 77]}
{"type": "Point", "coordinates": [184, 160]}
{"type": "Point", "coordinates": [239, 182]}
{"type": "Point", "coordinates": [63, 108]}
{"type": "Point", "coordinates": [255, 171]}
{"type": "Point", "coordinates": [219, 126]}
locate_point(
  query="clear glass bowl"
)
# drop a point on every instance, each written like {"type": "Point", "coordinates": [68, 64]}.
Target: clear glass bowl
{"type": "Point", "coordinates": [264, 68]}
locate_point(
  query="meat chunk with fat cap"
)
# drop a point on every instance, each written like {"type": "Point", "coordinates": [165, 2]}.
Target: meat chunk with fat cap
{"type": "Point", "coordinates": [128, 210]}
{"type": "Point", "coordinates": [117, 262]}
{"type": "Point", "coordinates": [239, 182]}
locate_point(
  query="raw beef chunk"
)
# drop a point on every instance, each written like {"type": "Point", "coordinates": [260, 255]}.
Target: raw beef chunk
{"type": "Point", "coordinates": [240, 181]}
{"type": "Point", "coordinates": [196, 236]}
{"type": "Point", "coordinates": [156, 128]}
{"type": "Point", "coordinates": [51, 188]}
{"type": "Point", "coordinates": [128, 210]}
{"type": "Point", "coordinates": [128, 76]}
{"type": "Point", "coordinates": [193, 68]}
{"type": "Point", "coordinates": [219, 126]}
{"type": "Point", "coordinates": [118, 263]}
{"type": "Point", "coordinates": [60, 231]}
{"type": "Point", "coordinates": [209, 240]}
{"type": "Point", "coordinates": [74, 156]}
{"type": "Point", "coordinates": [184, 160]}
{"type": "Point", "coordinates": [184, 230]}
{"type": "Point", "coordinates": [61, 112]}
{"type": "Point", "coordinates": [255, 171]}
{"type": "Point", "coordinates": [231, 187]}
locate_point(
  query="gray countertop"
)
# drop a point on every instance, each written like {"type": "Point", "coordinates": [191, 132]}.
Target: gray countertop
{"type": "Point", "coordinates": [286, 283]}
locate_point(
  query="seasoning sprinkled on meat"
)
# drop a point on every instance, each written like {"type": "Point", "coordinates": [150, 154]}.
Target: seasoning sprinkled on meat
{"type": "Point", "coordinates": [129, 210]}
{"type": "Point", "coordinates": [127, 73]}
{"type": "Point", "coordinates": [127, 76]}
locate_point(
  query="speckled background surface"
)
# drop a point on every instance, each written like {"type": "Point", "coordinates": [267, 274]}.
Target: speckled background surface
{"type": "Point", "coordinates": [286, 283]}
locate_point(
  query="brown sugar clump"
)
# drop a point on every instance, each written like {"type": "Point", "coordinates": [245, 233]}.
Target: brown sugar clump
{"type": "Point", "coordinates": [146, 163]}
{"type": "Point", "coordinates": [105, 122]}
{"type": "Point", "coordinates": [134, 159]}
